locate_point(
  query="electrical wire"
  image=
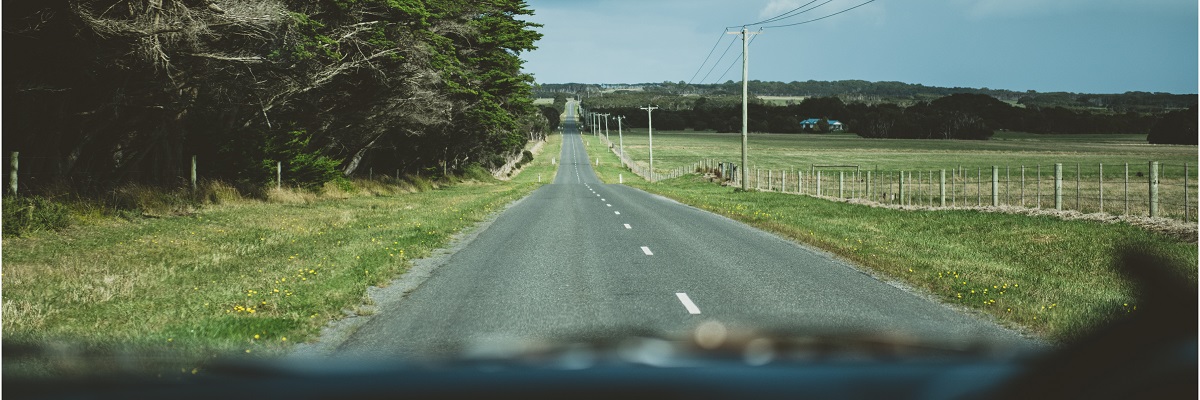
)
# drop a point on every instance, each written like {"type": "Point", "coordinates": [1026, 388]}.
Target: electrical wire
{"type": "Point", "coordinates": [739, 58]}
{"type": "Point", "coordinates": [718, 62]}
{"type": "Point", "coordinates": [818, 19]}
{"type": "Point", "coordinates": [775, 18]}
{"type": "Point", "coordinates": [788, 14]}
{"type": "Point", "coordinates": [708, 57]}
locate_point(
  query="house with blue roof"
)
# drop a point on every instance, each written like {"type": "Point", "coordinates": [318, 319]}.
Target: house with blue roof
{"type": "Point", "coordinates": [811, 123]}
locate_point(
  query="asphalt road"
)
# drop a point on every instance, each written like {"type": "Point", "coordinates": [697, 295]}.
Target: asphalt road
{"type": "Point", "coordinates": [581, 260]}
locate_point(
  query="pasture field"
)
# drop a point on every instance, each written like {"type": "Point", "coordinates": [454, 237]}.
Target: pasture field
{"type": "Point", "coordinates": [1049, 277]}
{"type": "Point", "coordinates": [676, 149]}
{"type": "Point", "coordinates": [968, 164]}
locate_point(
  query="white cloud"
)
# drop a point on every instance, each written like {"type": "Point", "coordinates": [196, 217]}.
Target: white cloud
{"type": "Point", "coordinates": [873, 13]}
{"type": "Point", "coordinates": [776, 7]}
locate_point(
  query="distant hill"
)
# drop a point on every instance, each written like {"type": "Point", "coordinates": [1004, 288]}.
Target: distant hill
{"type": "Point", "coordinates": [859, 91]}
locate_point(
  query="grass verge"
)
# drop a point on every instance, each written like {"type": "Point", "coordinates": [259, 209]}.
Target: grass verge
{"type": "Point", "coordinates": [241, 277]}
{"type": "Point", "coordinates": [1051, 277]}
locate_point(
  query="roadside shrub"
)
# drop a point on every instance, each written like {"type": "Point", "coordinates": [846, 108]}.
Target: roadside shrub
{"type": "Point", "coordinates": [151, 200]}
{"type": "Point", "coordinates": [27, 214]}
{"type": "Point", "coordinates": [477, 173]}
{"type": "Point", "coordinates": [421, 184]}
{"type": "Point", "coordinates": [218, 192]}
{"type": "Point", "coordinates": [291, 196]}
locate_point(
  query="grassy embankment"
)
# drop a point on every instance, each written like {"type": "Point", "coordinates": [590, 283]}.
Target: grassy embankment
{"type": "Point", "coordinates": [244, 276]}
{"type": "Point", "coordinates": [1048, 276]}
{"type": "Point", "coordinates": [1007, 150]}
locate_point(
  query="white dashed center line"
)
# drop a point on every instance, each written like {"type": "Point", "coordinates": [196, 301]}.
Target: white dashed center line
{"type": "Point", "coordinates": [687, 303]}
{"type": "Point", "coordinates": [628, 227]}
{"type": "Point", "coordinates": [610, 205]}
{"type": "Point", "coordinates": [646, 249]}
{"type": "Point", "coordinates": [617, 212]}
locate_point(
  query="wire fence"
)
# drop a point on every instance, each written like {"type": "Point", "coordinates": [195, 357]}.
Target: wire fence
{"type": "Point", "coordinates": [25, 173]}
{"type": "Point", "coordinates": [1144, 189]}
{"type": "Point", "coordinates": [644, 172]}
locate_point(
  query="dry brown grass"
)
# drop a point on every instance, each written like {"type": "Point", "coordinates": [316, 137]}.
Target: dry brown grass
{"type": "Point", "coordinates": [219, 192]}
{"type": "Point", "coordinates": [291, 196]}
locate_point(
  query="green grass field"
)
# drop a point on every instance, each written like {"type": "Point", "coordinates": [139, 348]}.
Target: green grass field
{"type": "Point", "coordinates": [1081, 156]}
{"type": "Point", "coordinates": [242, 277]}
{"type": "Point", "coordinates": [1044, 275]}
{"type": "Point", "coordinates": [673, 149]}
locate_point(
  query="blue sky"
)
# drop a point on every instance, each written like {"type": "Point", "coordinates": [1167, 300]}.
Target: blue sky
{"type": "Point", "coordinates": [1090, 46]}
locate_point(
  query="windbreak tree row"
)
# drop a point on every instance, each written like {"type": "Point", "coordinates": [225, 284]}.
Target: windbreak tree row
{"type": "Point", "coordinates": [102, 92]}
{"type": "Point", "coordinates": [957, 116]}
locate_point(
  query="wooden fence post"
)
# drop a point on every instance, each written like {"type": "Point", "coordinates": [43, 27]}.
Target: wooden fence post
{"type": "Point", "coordinates": [841, 184]}
{"type": "Point", "coordinates": [869, 185]}
{"type": "Point", "coordinates": [942, 188]}
{"type": "Point", "coordinates": [13, 159]}
{"type": "Point", "coordinates": [1153, 189]}
{"type": "Point", "coordinates": [193, 173]}
{"type": "Point", "coordinates": [1078, 190]}
{"type": "Point", "coordinates": [1187, 202]}
{"type": "Point", "coordinates": [1007, 185]}
{"type": "Point", "coordinates": [901, 191]}
{"type": "Point", "coordinates": [995, 186]}
{"type": "Point", "coordinates": [1022, 185]}
{"type": "Point", "coordinates": [818, 183]}
{"type": "Point", "coordinates": [1039, 186]}
{"type": "Point", "coordinates": [1101, 180]}
{"type": "Point", "coordinates": [278, 175]}
{"type": "Point", "coordinates": [1058, 186]}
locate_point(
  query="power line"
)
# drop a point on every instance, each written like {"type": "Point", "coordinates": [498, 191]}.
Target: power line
{"type": "Point", "coordinates": [718, 62]}
{"type": "Point", "coordinates": [784, 15]}
{"type": "Point", "coordinates": [735, 61]}
{"type": "Point", "coordinates": [710, 53]}
{"type": "Point", "coordinates": [818, 19]}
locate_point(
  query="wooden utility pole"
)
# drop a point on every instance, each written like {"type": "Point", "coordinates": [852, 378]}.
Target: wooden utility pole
{"type": "Point", "coordinates": [621, 138]}
{"type": "Point", "coordinates": [650, 135]}
{"type": "Point", "coordinates": [745, 101]}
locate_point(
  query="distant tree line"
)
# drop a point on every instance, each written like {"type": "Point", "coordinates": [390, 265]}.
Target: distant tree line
{"type": "Point", "coordinates": [903, 94]}
{"type": "Point", "coordinates": [957, 116]}
{"type": "Point", "coordinates": [99, 92]}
